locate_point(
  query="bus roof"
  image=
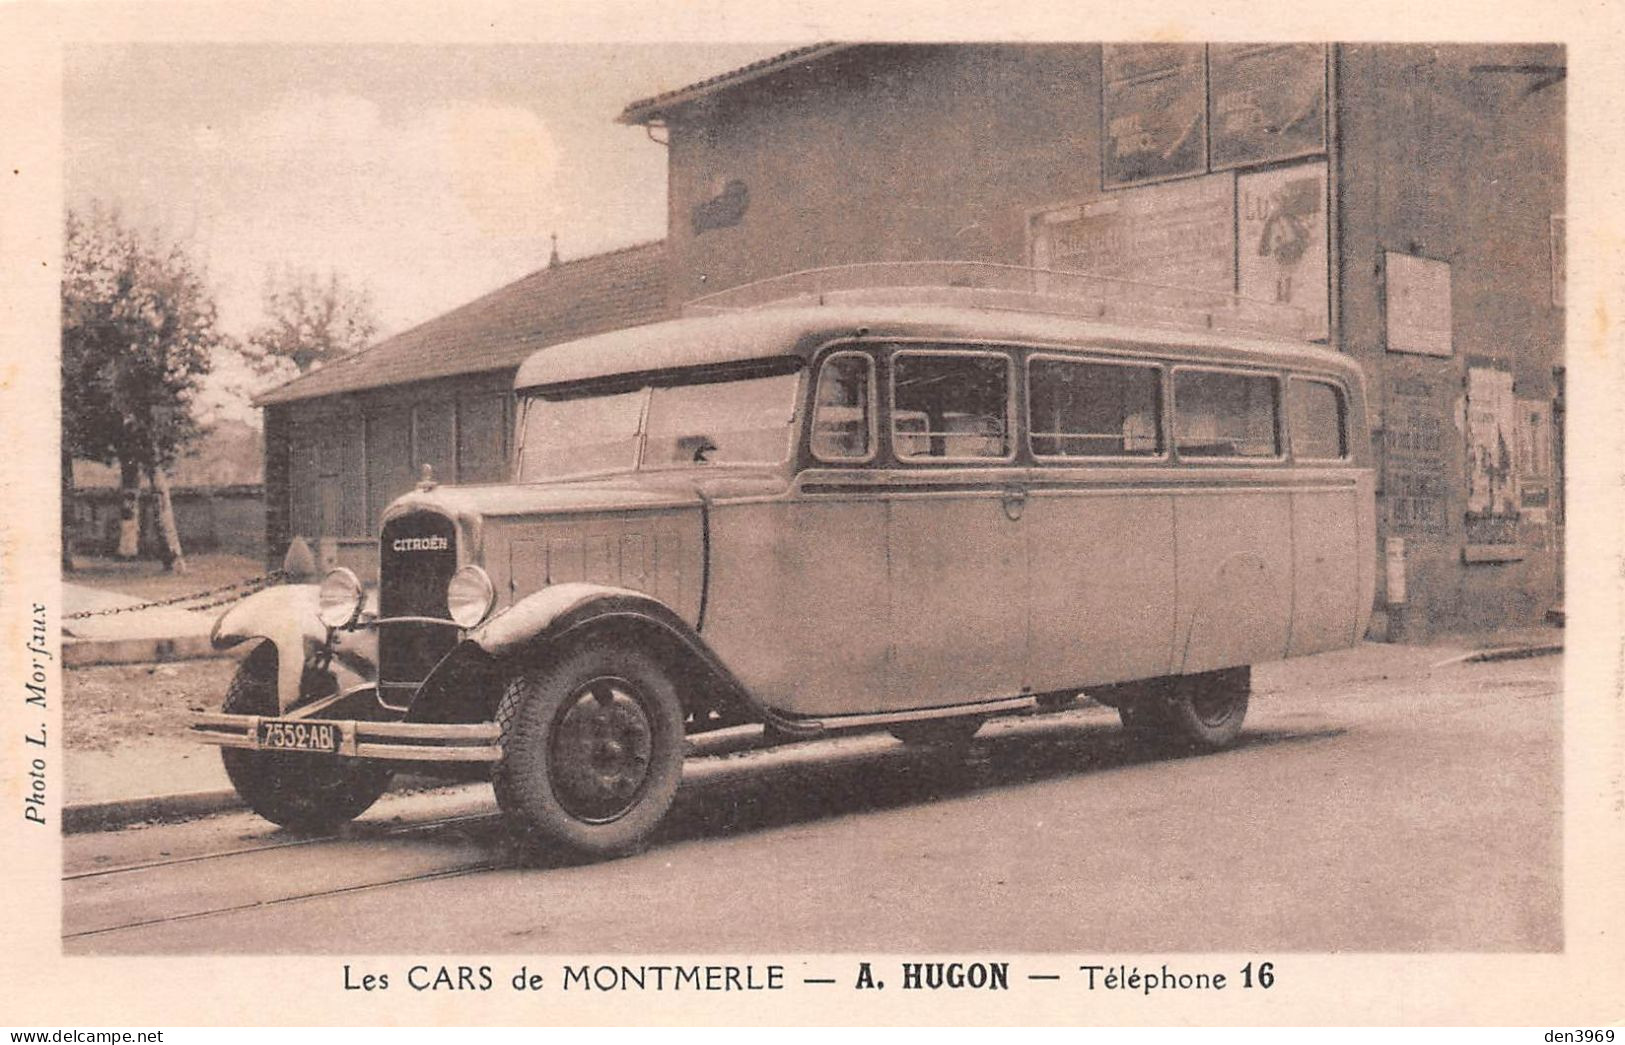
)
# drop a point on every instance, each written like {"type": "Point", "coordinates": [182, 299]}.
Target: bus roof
{"type": "Point", "coordinates": [799, 330]}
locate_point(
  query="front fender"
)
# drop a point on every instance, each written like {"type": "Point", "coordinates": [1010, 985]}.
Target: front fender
{"type": "Point", "coordinates": [560, 611]}
{"type": "Point", "coordinates": [286, 617]}
{"type": "Point", "coordinates": [536, 615]}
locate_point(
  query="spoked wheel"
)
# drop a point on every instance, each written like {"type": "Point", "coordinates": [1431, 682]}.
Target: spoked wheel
{"type": "Point", "coordinates": [947, 732]}
{"type": "Point", "coordinates": [304, 792]}
{"type": "Point", "coordinates": [592, 750]}
{"type": "Point", "coordinates": [1203, 711]}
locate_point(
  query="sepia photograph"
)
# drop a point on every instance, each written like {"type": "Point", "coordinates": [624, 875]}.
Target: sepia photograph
{"type": "Point", "coordinates": [1088, 515]}
{"type": "Point", "coordinates": [1066, 515]}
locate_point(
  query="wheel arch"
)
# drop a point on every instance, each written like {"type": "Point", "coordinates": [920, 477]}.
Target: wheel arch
{"type": "Point", "coordinates": [284, 616]}
{"type": "Point", "coordinates": [467, 684]}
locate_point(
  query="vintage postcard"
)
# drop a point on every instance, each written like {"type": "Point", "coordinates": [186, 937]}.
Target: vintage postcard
{"type": "Point", "coordinates": [566, 515]}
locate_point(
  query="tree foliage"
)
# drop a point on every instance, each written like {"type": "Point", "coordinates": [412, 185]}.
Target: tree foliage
{"type": "Point", "coordinates": [138, 333]}
{"type": "Point", "coordinates": [310, 320]}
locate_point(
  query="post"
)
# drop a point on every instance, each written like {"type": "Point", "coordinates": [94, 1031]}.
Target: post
{"type": "Point", "coordinates": [1395, 559]}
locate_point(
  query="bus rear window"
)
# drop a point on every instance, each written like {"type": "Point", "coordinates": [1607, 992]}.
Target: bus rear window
{"type": "Point", "coordinates": [1319, 419]}
{"type": "Point", "coordinates": [1224, 414]}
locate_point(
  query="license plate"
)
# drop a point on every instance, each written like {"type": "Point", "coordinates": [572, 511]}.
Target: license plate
{"type": "Point", "coordinates": [293, 735]}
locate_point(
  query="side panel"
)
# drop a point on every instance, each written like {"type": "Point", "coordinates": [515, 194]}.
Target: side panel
{"type": "Point", "coordinates": [798, 605]}
{"type": "Point", "coordinates": [958, 582]}
{"type": "Point", "coordinates": [1234, 554]}
{"type": "Point", "coordinates": [1326, 548]}
{"type": "Point", "coordinates": [1102, 584]}
{"type": "Point", "coordinates": [660, 553]}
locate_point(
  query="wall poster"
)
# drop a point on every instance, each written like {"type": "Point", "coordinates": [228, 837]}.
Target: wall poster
{"type": "Point", "coordinates": [1154, 99]}
{"type": "Point", "coordinates": [1281, 254]}
{"type": "Point", "coordinates": [1492, 472]}
{"type": "Point", "coordinates": [1179, 234]}
{"type": "Point", "coordinates": [1417, 446]}
{"type": "Point", "coordinates": [1418, 304]}
{"type": "Point", "coordinates": [1267, 102]}
{"type": "Point", "coordinates": [1534, 456]}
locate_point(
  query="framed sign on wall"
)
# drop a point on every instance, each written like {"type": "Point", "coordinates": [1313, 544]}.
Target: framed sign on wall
{"type": "Point", "coordinates": [1154, 103]}
{"type": "Point", "coordinates": [1417, 304]}
{"type": "Point", "coordinates": [1267, 102]}
{"type": "Point", "coordinates": [1281, 247]}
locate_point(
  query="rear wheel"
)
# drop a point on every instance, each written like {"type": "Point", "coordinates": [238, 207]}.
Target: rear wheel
{"type": "Point", "coordinates": [300, 791]}
{"type": "Point", "coordinates": [943, 732]}
{"type": "Point", "coordinates": [1203, 711]}
{"type": "Point", "coordinates": [592, 750]}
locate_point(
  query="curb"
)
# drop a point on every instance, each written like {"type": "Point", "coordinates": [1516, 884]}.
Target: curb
{"type": "Point", "coordinates": [79, 653]}
{"type": "Point", "coordinates": [1488, 656]}
{"type": "Point", "coordinates": [122, 812]}
{"type": "Point", "coordinates": [115, 813]}
{"type": "Point", "coordinates": [1485, 656]}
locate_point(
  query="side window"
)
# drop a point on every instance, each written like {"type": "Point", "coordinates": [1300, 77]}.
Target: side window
{"type": "Point", "coordinates": [950, 406]}
{"type": "Point", "coordinates": [1319, 418]}
{"type": "Point", "coordinates": [1223, 414]}
{"type": "Point", "coordinates": [1094, 409]}
{"type": "Point", "coordinates": [843, 409]}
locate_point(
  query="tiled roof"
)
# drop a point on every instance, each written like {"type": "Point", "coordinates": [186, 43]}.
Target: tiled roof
{"type": "Point", "coordinates": [621, 288]}
{"type": "Point", "coordinates": [653, 108]}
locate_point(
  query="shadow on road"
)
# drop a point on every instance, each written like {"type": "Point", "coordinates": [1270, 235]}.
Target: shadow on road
{"type": "Point", "coordinates": [820, 780]}
{"type": "Point", "coordinates": [747, 787]}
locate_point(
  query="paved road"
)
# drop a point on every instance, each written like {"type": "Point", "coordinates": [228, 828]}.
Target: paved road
{"type": "Point", "coordinates": [1375, 805]}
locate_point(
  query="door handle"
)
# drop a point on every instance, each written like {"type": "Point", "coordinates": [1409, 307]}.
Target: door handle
{"type": "Point", "coordinates": [1015, 501]}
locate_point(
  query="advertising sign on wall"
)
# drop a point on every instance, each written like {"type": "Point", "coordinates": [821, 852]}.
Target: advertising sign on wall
{"type": "Point", "coordinates": [1534, 460]}
{"type": "Point", "coordinates": [1179, 234]}
{"type": "Point", "coordinates": [1492, 472]}
{"type": "Point", "coordinates": [1155, 104]}
{"type": "Point", "coordinates": [1418, 304]}
{"type": "Point", "coordinates": [1281, 253]}
{"type": "Point", "coordinates": [1418, 442]}
{"type": "Point", "coordinates": [1268, 102]}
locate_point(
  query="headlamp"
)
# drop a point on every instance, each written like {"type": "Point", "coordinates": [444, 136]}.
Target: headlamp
{"type": "Point", "coordinates": [470, 596]}
{"type": "Point", "coordinates": [338, 603]}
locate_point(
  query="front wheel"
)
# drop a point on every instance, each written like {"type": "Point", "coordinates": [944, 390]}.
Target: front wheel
{"type": "Point", "coordinates": [1203, 711]}
{"type": "Point", "coordinates": [298, 791]}
{"type": "Point", "coordinates": [592, 750]}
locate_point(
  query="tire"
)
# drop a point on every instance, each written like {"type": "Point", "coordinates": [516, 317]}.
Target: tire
{"type": "Point", "coordinates": [592, 750]}
{"type": "Point", "coordinates": [298, 791]}
{"type": "Point", "coordinates": [945, 732]}
{"type": "Point", "coordinates": [1144, 715]}
{"type": "Point", "coordinates": [1203, 711]}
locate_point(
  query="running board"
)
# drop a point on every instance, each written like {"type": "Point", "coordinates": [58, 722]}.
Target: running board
{"type": "Point", "coordinates": [816, 723]}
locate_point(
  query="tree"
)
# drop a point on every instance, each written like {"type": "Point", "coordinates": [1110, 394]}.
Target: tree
{"type": "Point", "coordinates": [310, 320]}
{"type": "Point", "coordinates": [138, 332]}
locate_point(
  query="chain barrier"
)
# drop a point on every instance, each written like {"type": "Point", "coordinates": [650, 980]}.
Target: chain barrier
{"type": "Point", "coordinates": [226, 593]}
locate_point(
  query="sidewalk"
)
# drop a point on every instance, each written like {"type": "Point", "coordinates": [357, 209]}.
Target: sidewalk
{"type": "Point", "coordinates": [138, 637]}
{"type": "Point", "coordinates": [164, 775]}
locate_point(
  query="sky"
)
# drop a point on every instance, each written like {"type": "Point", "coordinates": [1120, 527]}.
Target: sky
{"type": "Point", "coordinates": [428, 174]}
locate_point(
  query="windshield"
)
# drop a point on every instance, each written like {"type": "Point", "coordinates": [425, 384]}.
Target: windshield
{"type": "Point", "coordinates": [748, 421]}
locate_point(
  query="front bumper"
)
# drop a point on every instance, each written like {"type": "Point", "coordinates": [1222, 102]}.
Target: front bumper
{"type": "Point", "coordinates": [389, 741]}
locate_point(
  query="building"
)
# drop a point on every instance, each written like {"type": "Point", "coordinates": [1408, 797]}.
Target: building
{"type": "Point", "coordinates": [343, 441]}
{"type": "Point", "coordinates": [1407, 199]}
